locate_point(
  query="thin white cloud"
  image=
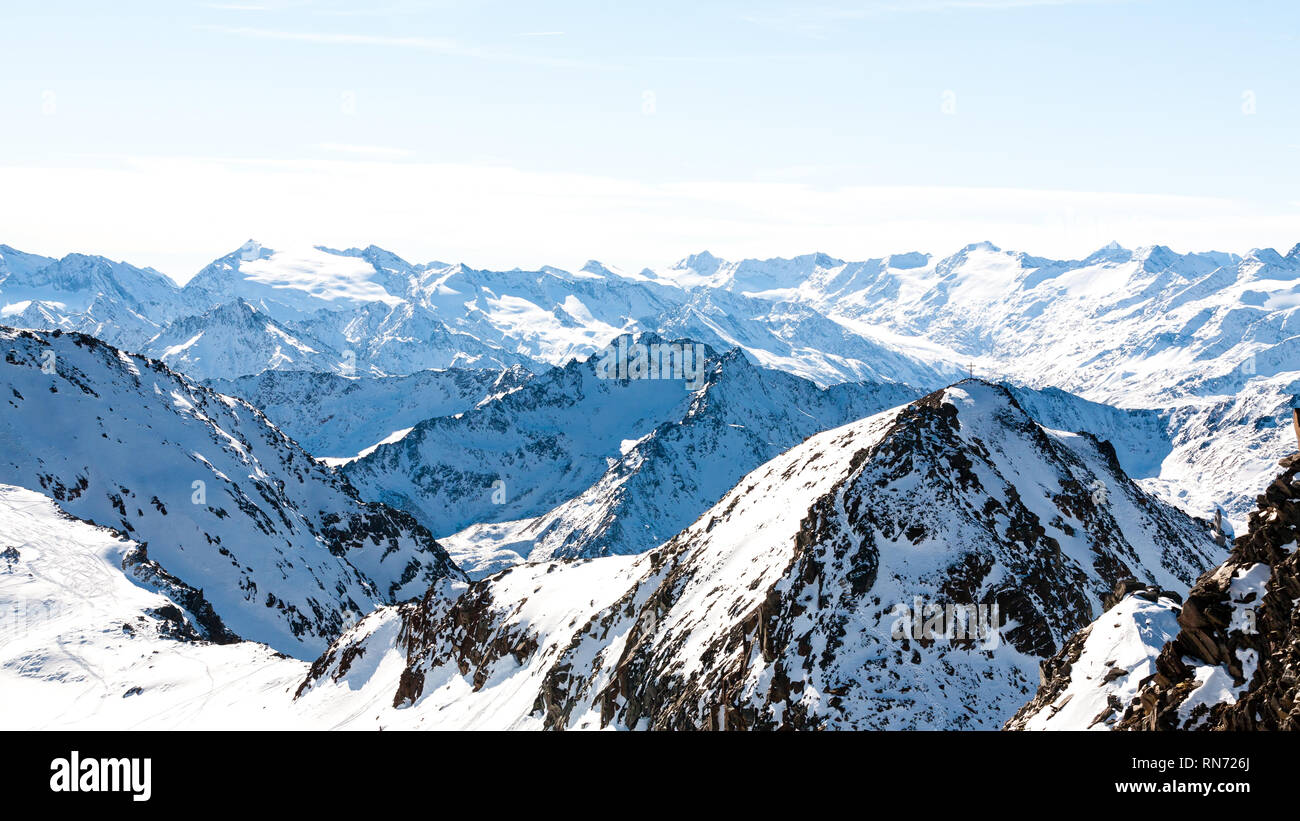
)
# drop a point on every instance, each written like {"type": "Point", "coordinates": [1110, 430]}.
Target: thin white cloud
{"type": "Point", "coordinates": [177, 214]}
{"type": "Point", "coordinates": [264, 5]}
{"type": "Point", "coordinates": [440, 45]}
{"type": "Point", "coordinates": [366, 150]}
{"type": "Point", "coordinates": [818, 19]}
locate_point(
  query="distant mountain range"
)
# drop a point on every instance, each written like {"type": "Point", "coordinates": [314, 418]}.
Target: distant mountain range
{"type": "Point", "coordinates": [1208, 340]}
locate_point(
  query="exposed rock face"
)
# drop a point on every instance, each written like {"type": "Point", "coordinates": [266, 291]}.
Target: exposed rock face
{"type": "Point", "coordinates": [1234, 663]}
{"type": "Point", "coordinates": [1099, 669]}
{"type": "Point", "coordinates": [779, 607]}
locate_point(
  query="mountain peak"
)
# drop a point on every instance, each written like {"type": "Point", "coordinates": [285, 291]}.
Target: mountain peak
{"type": "Point", "coordinates": [1110, 252]}
{"type": "Point", "coordinates": [1266, 254]}
{"type": "Point", "coordinates": [251, 250]}
{"type": "Point", "coordinates": [702, 263]}
{"type": "Point", "coordinates": [907, 261]}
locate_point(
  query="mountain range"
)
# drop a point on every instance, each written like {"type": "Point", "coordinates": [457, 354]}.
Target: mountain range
{"type": "Point", "coordinates": [1207, 340]}
{"type": "Point", "coordinates": [411, 494]}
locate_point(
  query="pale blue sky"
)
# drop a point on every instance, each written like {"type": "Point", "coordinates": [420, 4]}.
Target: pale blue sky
{"type": "Point", "coordinates": [507, 133]}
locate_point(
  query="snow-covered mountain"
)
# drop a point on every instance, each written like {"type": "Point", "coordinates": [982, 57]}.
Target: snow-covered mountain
{"type": "Point", "coordinates": [660, 482]}
{"type": "Point", "coordinates": [240, 339]}
{"type": "Point", "coordinates": [77, 280]}
{"type": "Point", "coordinates": [280, 547]}
{"type": "Point", "coordinates": [1208, 339]}
{"type": "Point", "coordinates": [406, 338]}
{"type": "Point", "coordinates": [397, 317]}
{"type": "Point", "coordinates": [285, 284]}
{"type": "Point", "coordinates": [337, 418]}
{"type": "Point", "coordinates": [780, 606]}
{"type": "Point", "coordinates": [573, 464]}
{"type": "Point", "coordinates": [114, 301]}
{"type": "Point", "coordinates": [543, 444]}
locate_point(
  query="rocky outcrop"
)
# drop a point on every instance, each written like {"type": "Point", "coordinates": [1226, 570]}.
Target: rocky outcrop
{"type": "Point", "coordinates": [1235, 665]}
{"type": "Point", "coordinates": [1233, 662]}
{"type": "Point", "coordinates": [1088, 683]}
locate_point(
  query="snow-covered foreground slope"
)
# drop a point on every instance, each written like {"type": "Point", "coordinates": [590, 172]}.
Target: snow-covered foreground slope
{"type": "Point", "coordinates": [780, 606]}
{"type": "Point", "coordinates": [1227, 659]}
{"type": "Point", "coordinates": [280, 546]}
{"type": "Point", "coordinates": [1087, 685]}
{"type": "Point", "coordinates": [337, 417]}
{"type": "Point", "coordinates": [573, 465]}
{"type": "Point", "coordinates": [82, 645]}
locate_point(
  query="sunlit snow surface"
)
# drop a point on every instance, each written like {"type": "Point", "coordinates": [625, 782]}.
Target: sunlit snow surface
{"type": "Point", "coordinates": [1126, 640]}
{"type": "Point", "coordinates": [82, 650]}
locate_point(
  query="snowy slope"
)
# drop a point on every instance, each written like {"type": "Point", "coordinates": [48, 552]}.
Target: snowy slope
{"type": "Point", "coordinates": [405, 338]}
{"type": "Point", "coordinates": [1099, 671]}
{"type": "Point", "coordinates": [336, 417]}
{"type": "Point", "coordinates": [740, 418]}
{"type": "Point", "coordinates": [285, 550]}
{"type": "Point", "coordinates": [238, 339]}
{"type": "Point", "coordinates": [85, 645]}
{"type": "Point", "coordinates": [285, 283]}
{"type": "Point", "coordinates": [775, 608]}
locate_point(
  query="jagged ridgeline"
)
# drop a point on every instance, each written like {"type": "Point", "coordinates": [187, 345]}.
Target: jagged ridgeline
{"type": "Point", "coordinates": [250, 534]}
{"type": "Point", "coordinates": [1204, 342]}
{"type": "Point", "coordinates": [590, 464]}
{"type": "Point", "coordinates": [778, 607]}
{"type": "Point", "coordinates": [1226, 659]}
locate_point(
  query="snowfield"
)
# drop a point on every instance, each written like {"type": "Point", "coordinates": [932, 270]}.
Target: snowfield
{"type": "Point", "coordinates": [85, 647]}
